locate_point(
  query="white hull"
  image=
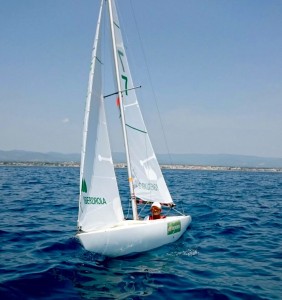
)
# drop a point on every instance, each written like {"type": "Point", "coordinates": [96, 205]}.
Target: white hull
{"type": "Point", "coordinates": [132, 236]}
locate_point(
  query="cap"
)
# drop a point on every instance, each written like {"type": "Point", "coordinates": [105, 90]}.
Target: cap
{"type": "Point", "coordinates": [157, 204]}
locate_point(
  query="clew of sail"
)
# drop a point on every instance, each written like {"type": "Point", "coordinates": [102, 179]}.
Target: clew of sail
{"type": "Point", "coordinates": [99, 201]}
{"type": "Point", "coordinates": [148, 181]}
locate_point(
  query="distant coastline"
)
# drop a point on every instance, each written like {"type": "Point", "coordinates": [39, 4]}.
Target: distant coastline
{"type": "Point", "coordinates": [172, 161]}
{"type": "Point", "coordinates": [123, 165]}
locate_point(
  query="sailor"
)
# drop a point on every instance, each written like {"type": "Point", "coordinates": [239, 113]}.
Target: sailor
{"type": "Point", "coordinates": [156, 210]}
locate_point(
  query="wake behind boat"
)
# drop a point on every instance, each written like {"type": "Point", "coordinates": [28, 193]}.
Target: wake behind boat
{"type": "Point", "coordinates": [102, 227]}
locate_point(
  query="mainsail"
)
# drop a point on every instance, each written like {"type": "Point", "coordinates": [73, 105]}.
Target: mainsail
{"type": "Point", "coordinates": [148, 181]}
{"type": "Point", "coordinates": [99, 203]}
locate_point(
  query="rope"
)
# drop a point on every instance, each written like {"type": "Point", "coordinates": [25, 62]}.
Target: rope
{"type": "Point", "coordinates": [151, 85]}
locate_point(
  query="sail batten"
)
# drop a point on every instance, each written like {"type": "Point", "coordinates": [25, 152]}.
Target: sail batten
{"type": "Point", "coordinates": [140, 130]}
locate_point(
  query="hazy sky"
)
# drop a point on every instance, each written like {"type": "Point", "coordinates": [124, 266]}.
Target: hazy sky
{"type": "Point", "coordinates": [215, 72]}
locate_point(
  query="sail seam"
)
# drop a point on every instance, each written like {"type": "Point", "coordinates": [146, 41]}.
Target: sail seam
{"type": "Point", "coordinates": [98, 60]}
{"type": "Point", "coordinates": [135, 128]}
{"type": "Point", "coordinates": [132, 104]}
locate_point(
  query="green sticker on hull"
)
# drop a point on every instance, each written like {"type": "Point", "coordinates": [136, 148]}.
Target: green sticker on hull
{"type": "Point", "coordinates": [173, 227]}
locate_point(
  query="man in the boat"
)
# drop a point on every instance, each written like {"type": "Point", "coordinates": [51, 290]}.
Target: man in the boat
{"type": "Point", "coordinates": [156, 210]}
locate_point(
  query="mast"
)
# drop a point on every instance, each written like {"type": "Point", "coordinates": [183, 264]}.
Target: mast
{"type": "Point", "coordinates": [130, 179]}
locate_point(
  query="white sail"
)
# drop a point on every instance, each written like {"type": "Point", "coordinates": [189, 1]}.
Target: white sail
{"type": "Point", "coordinates": [99, 202]}
{"type": "Point", "coordinates": [148, 181]}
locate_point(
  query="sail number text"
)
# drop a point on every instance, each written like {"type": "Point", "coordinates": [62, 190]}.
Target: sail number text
{"type": "Point", "coordinates": [148, 186]}
{"type": "Point", "coordinates": [124, 78]}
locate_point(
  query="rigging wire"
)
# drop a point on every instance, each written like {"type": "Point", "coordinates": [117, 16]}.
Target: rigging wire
{"type": "Point", "coordinates": [151, 83]}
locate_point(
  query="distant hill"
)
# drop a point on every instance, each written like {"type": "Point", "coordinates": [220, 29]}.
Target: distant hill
{"type": "Point", "coordinates": [29, 156]}
{"type": "Point", "coordinates": [229, 160]}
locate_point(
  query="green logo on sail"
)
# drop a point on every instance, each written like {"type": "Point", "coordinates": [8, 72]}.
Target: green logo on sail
{"type": "Point", "coordinates": [83, 186]}
{"type": "Point", "coordinates": [94, 200]}
{"type": "Point", "coordinates": [91, 200]}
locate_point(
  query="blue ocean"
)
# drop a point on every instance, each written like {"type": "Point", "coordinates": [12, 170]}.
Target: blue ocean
{"type": "Point", "coordinates": [232, 250]}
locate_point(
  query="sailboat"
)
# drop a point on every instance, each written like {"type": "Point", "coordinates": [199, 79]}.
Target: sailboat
{"type": "Point", "coordinates": [102, 227]}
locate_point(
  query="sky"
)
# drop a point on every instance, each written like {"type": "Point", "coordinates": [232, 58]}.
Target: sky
{"type": "Point", "coordinates": [210, 70]}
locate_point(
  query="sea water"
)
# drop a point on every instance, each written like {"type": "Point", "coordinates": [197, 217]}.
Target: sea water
{"type": "Point", "coordinates": [232, 250]}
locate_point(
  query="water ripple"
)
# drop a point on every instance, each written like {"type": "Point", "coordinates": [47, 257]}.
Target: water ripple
{"type": "Point", "coordinates": [232, 250]}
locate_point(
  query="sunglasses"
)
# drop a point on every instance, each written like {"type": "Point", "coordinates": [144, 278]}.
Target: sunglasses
{"type": "Point", "coordinates": [155, 209]}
